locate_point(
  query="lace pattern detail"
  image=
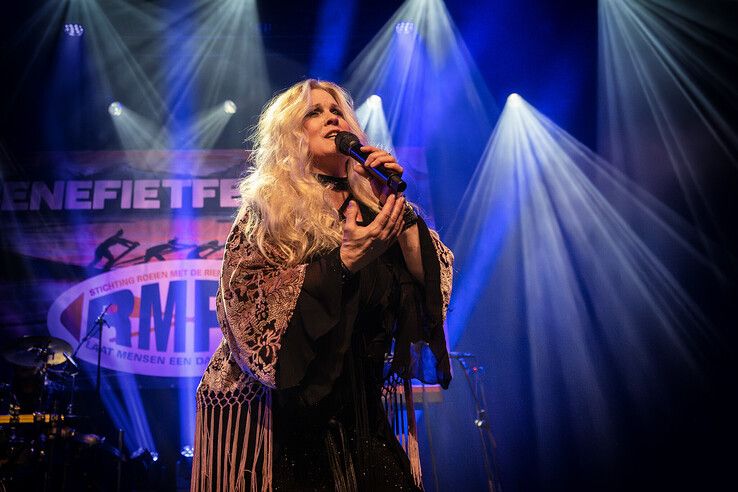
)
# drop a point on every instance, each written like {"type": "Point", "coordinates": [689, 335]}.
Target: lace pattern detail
{"type": "Point", "coordinates": [224, 383]}
{"type": "Point", "coordinates": [445, 261]}
{"type": "Point", "coordinates": [255, 303]}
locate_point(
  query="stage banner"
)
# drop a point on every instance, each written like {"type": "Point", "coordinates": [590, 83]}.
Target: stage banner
{"type": "Point", "coordinates": [130, 241]}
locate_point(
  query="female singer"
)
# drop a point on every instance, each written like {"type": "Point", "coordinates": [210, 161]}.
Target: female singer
{"type": "Point", "coordinates": [333, 294]}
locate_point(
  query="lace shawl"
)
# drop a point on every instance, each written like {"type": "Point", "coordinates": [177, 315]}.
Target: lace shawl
{"type": "Point", "coordinates": [255, 302]}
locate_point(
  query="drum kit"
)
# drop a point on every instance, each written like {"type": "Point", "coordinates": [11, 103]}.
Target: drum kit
{"type": "Point", "coordinates": [40, 445]}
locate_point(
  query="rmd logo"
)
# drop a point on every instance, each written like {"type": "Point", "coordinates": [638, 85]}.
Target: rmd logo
{"type": "Point", "coordinates": [161, 317]}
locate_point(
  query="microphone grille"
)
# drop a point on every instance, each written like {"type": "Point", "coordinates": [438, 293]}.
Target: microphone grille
{"type": "Point", "coordinates": [345, 140]}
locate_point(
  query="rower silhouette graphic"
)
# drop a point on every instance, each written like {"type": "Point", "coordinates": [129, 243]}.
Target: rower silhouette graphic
{"type": "Point", "coordinates": [103, 250]}
{"type": "Point", "coordinates": [207, 248]}
{"type": "Point", "coordinates": [158, 251]}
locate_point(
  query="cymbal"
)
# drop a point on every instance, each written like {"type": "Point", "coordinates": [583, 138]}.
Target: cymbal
{"type": "Point", "coordinates": [35, 351]}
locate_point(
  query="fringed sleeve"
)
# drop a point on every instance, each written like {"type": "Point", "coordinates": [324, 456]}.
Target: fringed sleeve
{"type": "Point", "coordinates": [233, 435]}
{"type": "Point", "coordinates": [421, 351]}
{"type": "Point", "coordinates": [233, 430]}
{"type": "Point", "coordinates": [257, 301]}
{"type": "Point", "coordinates": [445, 259]}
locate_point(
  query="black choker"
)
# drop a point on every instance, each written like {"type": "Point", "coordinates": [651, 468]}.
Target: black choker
{"type": "Point", "coordinates": [338, 184]}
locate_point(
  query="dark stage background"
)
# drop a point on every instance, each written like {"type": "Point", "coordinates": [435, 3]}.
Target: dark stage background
{"type": "Point", "coordinates": [593, 220]}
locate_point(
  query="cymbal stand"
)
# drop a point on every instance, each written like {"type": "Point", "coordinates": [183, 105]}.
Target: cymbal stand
{"type": "Point", "coordinates": [40, 445]}
{"type": "Point", "coordinates": [73, 373]}
{"type": "Point", "coordinates": [43, 369]}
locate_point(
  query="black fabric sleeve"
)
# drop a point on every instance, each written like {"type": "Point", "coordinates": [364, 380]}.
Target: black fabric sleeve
{"type": "Point", "coordinates": [321, 324]}
{"type": "Point", "coordinates": [321, 294]}
{"type": "Point", "coordinates": [420, 349]}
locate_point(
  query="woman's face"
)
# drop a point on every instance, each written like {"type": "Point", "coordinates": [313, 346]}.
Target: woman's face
{"type": "Point", "coordinates": [323, 120]}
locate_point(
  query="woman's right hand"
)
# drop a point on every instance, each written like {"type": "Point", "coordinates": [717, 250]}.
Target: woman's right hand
{"type": "Point", "coordinates": [362, 245]}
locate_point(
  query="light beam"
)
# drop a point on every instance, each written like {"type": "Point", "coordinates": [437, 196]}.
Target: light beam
{"type": "Point", "coordinates": [666, 71]}
{"type": "Point", "coordinates": [436, 104]}
{"type": "Point", "coordinates": [545, 246]}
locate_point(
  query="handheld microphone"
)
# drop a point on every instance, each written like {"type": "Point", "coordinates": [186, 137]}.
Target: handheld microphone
{"type": "Point", "coordinates": [348, 144]}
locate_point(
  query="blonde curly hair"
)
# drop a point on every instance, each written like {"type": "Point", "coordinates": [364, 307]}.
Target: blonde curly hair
{"type": "Point", "coordinates": [284, 208]}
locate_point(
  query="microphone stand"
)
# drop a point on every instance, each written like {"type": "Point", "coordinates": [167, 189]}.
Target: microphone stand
{"type": "Point", "coordinates": [481, 421]}
{"type": "Point", "coordinates": [98, 326]}
{"type": "Point", "coordinates": [100, 320]}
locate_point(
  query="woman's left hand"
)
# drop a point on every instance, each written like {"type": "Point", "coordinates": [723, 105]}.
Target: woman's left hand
{"type": "Point", "coordinates": [378, 157]}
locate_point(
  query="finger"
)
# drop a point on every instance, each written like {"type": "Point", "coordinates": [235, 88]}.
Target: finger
{"type": "Point", "coordinates": [394, 167]}
{"type": "Point", "coordinates": [384, 214]}
{"type": "Point", "coordinates": [387, 163]}
{"type": "Point", "coordinates": [352, 211]}
{"type": "Point", "coordinates": [374, 152]}
{"type": "Point", "coordinates": [361, 171]}
{"type": "Point", "coordinates": [378, 158]}
{"type": "Point", "coordinates": [399, 227]}
{"type": "Point", "coordinates": [400, 224]}
{"type": "Point", "coordinates": [369, 159]}
{"type": "Point", "coordinates": [398, 208]}
{"type": "Point", "coordinates": [370, 148]}
{"type": "Point", "coordinates": [391, 234]}
{"type": "Point", "coordinates": [396, 215]}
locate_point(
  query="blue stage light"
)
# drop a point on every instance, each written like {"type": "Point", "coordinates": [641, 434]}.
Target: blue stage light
{"type": "Point", "coordinates": [421, 68]}
{"type": "Point", "coordinates": [74, 30]}
{"type": "Point", "coordinates": [514, 100]}
{"type": "Point", "coordinates": [187, 451]}
{"type": "Point", "coordinates": [115, 109]}
{"type": "Point", "coordinates": [229, 107]}
{"type": "Point", "coordinates": [405, 27]}
{"type": "Point", "coordinates": [374, 101]}
{"type": "Point", "coordinates": [145, 456]}
{"type": "Point", "coordinates": [183, 468]}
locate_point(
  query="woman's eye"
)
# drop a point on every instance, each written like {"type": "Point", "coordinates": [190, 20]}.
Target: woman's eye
{"type": "Point", "coordinates": [337, 112]}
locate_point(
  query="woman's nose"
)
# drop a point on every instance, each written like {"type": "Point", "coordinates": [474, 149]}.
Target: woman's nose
{"type": "Point", "coordinates": [332, 119]}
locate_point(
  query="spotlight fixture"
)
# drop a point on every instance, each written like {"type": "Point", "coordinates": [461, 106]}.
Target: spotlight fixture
{"type": "Point", "coordinates": [183, 468]}
{"type": "Point", "coordinates": [187, 451]}
{"type": "Point", "coordinates": [144, 456]}
{"type": "Point", "coordinates": [404, 27]}
{"type": "Point", "coordinates": [514, 100]}
{"type": "Point", "coordinates": [374, 101]}
{"type": "Point", "coordinates": [115, 109]}
{"type": "Point", "coordinates": [229, 107]}
{"type": "Point", "coordinates": [142, 469]}
{"type": "Point", "coordinates": [74, 30]}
